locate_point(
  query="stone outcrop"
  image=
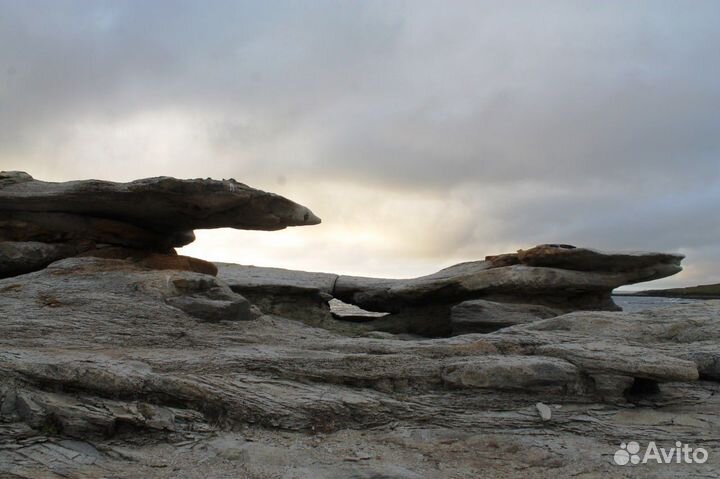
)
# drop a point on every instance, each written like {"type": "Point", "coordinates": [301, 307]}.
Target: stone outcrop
{"type": "Point", "coordinates": [111, 369]}
{"type": "Point", "coordinates": [298, 295]}
{"type": "Point", "coordinates": [41, 222]}
{"type": "Point", "coordinates": [162, 204]}
{"type": "Point", "coordinates": [562, 278]}
{"type": "Point", "coordinates": [549, 277]}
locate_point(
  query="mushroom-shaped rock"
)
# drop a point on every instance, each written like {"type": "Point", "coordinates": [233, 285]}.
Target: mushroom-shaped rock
{"type": "Point", "coordinates": [160, 204]}
{"type": "Point", "coordinates": [41, 222]}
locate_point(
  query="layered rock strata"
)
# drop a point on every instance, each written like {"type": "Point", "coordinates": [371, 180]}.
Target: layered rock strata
{"type": "Point", "coordinates": [561, 278]}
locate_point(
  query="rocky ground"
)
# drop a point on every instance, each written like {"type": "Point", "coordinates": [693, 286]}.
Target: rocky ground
{"type": "Point", "coordinates": [128, 361]}
{"type": "Point", "coordinates": [103, 375]}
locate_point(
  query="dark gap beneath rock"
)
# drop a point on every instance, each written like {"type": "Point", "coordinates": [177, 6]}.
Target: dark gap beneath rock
{"type": "Point", "coordinates": [642, 387]}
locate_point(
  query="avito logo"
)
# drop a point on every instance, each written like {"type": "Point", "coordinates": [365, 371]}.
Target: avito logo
{"type": "Point", "coordinates": [680, 454]}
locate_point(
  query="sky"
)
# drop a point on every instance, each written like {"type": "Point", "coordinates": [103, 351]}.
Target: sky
{"type": "Point", "coordinates": [423, 133]}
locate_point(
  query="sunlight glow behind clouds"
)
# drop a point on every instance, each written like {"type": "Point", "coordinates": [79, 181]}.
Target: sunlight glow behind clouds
{"type": "Point", "coordinates": [422, 133]}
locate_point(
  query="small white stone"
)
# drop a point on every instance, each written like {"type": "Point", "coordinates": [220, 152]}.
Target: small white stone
{"type": "Point", "coordinates": [544, 410]}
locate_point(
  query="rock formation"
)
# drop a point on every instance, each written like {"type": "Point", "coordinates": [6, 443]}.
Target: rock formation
{"type": "Point", "coordinates": [119, 359]}
{"type": "Point", "coordinates": [562, 278]}
{"type": "Point", "coordinates": [41, 222]}
{"type": "Point", "coordinates": [162, 204]}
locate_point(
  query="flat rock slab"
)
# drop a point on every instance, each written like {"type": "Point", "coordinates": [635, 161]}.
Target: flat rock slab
{"type": "Point", "coordinates": [160, 204]}
{"type": "Point", "coordinates": [561, 276]}
{"type": "Point", "coordinates": [586, 259]}
{"type": "Point", "coordinates": [275, 280]}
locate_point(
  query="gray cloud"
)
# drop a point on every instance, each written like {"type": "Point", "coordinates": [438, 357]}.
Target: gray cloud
{"type": "Point", "coordinates": [585, 122]}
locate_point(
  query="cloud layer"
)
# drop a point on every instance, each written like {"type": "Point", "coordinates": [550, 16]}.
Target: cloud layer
{"type": "Point", "coordinates": [423, 133]}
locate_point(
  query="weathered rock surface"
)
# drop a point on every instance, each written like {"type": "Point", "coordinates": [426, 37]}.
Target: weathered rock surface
{"type": "Point", "coordinates": [293, 294]}
{"type": "Point", "coordinates": [276, 280]}
{"type": "Point", "coordinates": [110, 369]}
{"type": "Point", "coordinates": [148, 259]}
{"type": "Point", "coordinates": [64, 228]}
{"type": "Point", "coordinates": [23, 257]}
{"type": "Point", "coordinates": [480, 316]}
{"type": "Point", "coordinates": [584, 259]}
{"type": "Point", "coordinates": [556, 276]}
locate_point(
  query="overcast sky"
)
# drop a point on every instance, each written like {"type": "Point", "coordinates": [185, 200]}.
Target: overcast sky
{"type": "Point", "coordinates": [423, 133]}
